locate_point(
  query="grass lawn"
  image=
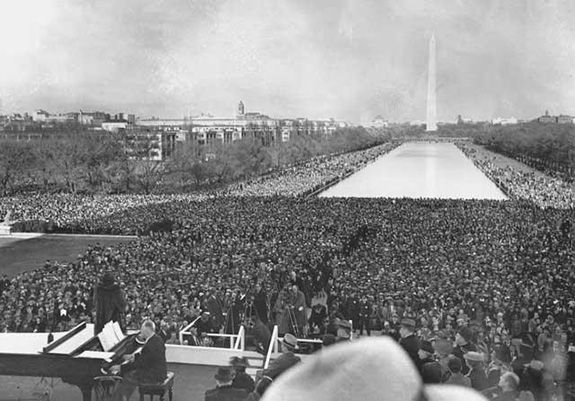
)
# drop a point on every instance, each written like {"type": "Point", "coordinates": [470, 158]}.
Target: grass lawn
{"type": "Point", "coordinates": [18, 255]}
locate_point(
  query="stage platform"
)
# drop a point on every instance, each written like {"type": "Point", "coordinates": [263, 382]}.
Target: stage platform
{"type": "Point", "coordinates": [191, 383]}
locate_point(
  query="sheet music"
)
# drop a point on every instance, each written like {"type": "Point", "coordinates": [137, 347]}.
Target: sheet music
{"type": "Point", "coordinates": [106, 356]}
{"type": "Point", "coordinates": [107, 337]}
{"type": "Point", "coordinates": [118, 332]}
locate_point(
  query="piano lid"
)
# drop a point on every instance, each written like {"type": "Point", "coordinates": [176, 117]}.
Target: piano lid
{"type": "Point", "coordinates": [25, 343]}
{"type": "Point", "coordinates": [72, 340]}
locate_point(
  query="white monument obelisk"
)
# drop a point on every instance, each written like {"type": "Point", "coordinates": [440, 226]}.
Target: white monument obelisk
{"type": "Point", "coordinates": [431, 100]}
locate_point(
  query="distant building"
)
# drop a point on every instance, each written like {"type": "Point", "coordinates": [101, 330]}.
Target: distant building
{"type": "Point", "coordinates": [40, 115]}
{"type": "Point", "coordinates": [209, 130]}
{"type": "Point", "coordinates": [546, 118]}
{"type": "Point", "coordinates": [561, 119]}
{"type": "Point", "coordinates": [114, 126]}
{"type": "Point", "coordinates": [379, 122]}
{"type": "Point", "coordinates": [96, 118]}
{"type": "Point", "coordinates": [149, 143]}
{"type": "Point", "coordinates": [241, 110]}
{"type": "Point", "coordinates": [504, 121]}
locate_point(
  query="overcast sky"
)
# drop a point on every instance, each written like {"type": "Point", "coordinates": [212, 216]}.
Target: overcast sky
{"type": "Point", "coordinates": [348, 59]}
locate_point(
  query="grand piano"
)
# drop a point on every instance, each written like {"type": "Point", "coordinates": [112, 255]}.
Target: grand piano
{"type": "Point", "coordinates": [76, 356]}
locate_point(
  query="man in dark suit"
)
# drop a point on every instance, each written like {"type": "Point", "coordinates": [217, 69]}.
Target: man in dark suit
{"type": "Point", "coordinates": [224, 390]}
{"type": "Point", "coordinates": [286, 360]}
{"type": "Point", "coordinates": [147, 366]}
{"type": "Point", "coordinates": [463, 339]}
{"type": "Point", "coordinates": [409, 341]}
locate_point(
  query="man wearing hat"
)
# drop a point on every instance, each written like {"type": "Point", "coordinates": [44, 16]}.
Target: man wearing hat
{"type": "Point", "coordinates": [242, 379]}
{"type": "Point", "coordinates": [409, 341]}
{"type": "Point", "coordinates": [286, 360]}
{"type": "Point", "coordinates": [443, 349]}
{"type": "Point", "coordinates": [224, 390]}
{"type": "Point", "coordinates": [463, 345]}
{"type": "Point", "coordinates": [476, 372]}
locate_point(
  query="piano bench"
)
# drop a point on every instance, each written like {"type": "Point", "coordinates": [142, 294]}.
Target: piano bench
{"type": "Point", "coordinates": [158, 389]}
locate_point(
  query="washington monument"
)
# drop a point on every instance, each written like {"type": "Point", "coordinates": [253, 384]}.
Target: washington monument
{"type": "Point", "coordinates": [431, 100]}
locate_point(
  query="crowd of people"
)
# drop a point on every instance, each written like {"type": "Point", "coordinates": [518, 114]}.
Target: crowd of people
{"type": "Point", "coordinates": [522, 183]}
{"type": "Point", "coordinates": [501, 268]}
{"type": "Point", "coordinates": [481, 285]}
{"type": "Point", "coordinates": [309, 176]}
{"type": "Point", "coordinates": [121, 214]}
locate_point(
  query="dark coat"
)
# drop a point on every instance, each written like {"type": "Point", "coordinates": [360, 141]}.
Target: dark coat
{"type": "Point", "coordinates": [110, 303]}
{"type": "Point", "coordinates": [461, 350]}
{"type": "Point", "coordinates": [411, 345]}
{"type": "Point", "coordinates": [281, 364]}
{"type": "Point", "coordinates": [261, 306]}
{"type": "Point", "coordinates": [478, 379]}
{"type": "Point", "coordinates": [150, 365]}
{"type": "Point", "coordinates": [262, 335]}
{"type": "Point", "coordinates": [226, 393]}
{"type": "Point", "coordinates": [245, 381]}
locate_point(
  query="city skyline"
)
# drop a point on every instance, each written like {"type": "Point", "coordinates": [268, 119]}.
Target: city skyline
{"type": "Point", "coordinates": [342, 59]}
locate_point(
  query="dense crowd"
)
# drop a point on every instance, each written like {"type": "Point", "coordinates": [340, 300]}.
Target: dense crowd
{"type": "Point", "coordinates": [523, 183]}
{"type": "Point", "coordinates": [504, 269]}
{"type": "Point", "coordinates": [486, 277]}
{"type": "Point", "coordinates": [122, 214]}
{"type": "Point", "coordinates": [311, 175]}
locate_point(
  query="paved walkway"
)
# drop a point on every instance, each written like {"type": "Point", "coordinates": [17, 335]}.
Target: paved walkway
{"type": "Point", "coordinates": [28, 252]}
{"type": "Point", "coordinates": [419, 170]}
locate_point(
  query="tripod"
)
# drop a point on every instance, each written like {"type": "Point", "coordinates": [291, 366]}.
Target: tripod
{"type": "Point", "coordinates": [293, 321]}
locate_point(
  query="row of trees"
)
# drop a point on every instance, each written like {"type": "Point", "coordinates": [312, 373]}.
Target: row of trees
{"type": "Point", "coordinates": [554, 143]}
{"type": "Point", "coordinates": [548, 147]}
{"type": "Point", "coordinates": [82, 162]}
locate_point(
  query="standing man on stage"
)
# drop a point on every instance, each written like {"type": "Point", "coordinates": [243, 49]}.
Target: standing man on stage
{"type": "Point", "coordinates": [110, 302]}
{"type": "Point", "coordinates": [291, 306]}
{"type": "Point", "coordinates": [261, 303]}
{"type": "Point", "coordinates": [147, 367]}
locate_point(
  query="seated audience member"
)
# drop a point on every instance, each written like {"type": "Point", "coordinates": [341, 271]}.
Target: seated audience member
{"type": "Point", "coordinates": [224, 390]}
{"type": "Point", "coordinates": [149, 366]}
{"type": "Point", "coordinates": [242, 379]}
{"type": "Point", "coordinates": [358, 371]}
{"type": "Point", "coordinates": [286, 360]}
{"type": "Point", "coordinates": [454, 364]}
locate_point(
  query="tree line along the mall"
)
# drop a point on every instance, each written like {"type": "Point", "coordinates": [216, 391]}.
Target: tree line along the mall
{"type": "Point", "coordinates": [94, 163]}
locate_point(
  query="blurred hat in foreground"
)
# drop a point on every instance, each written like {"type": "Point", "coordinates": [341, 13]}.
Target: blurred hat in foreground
{"type": "Point", "coordinates": [371, 369]}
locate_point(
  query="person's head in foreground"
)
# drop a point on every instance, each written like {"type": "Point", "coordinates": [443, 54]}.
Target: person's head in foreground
{"type": "Point", "coordinates": [371, 369]}
{"type": "Point", "coordinates": [225, 376]}
{"type": "Point", "coordinates": [509, 382]}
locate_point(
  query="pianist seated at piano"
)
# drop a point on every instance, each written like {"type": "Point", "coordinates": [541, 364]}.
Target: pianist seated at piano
{"type": "Point", "coordinates": [147, 365]}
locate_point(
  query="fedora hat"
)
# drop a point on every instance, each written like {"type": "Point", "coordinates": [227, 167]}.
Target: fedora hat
{"type": "Point", "coordinates": [290, 340]}
{"type": "Point", "coordinates": [237, 361]}
{"type": "Point", "coordinates": [366, 373]}
{"type": "Point", "coordinates": [408, 322]}
{"type": "Point", "coordinates": [474, 356]}
{"type": "Point", "coordinates": [224, 374]}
